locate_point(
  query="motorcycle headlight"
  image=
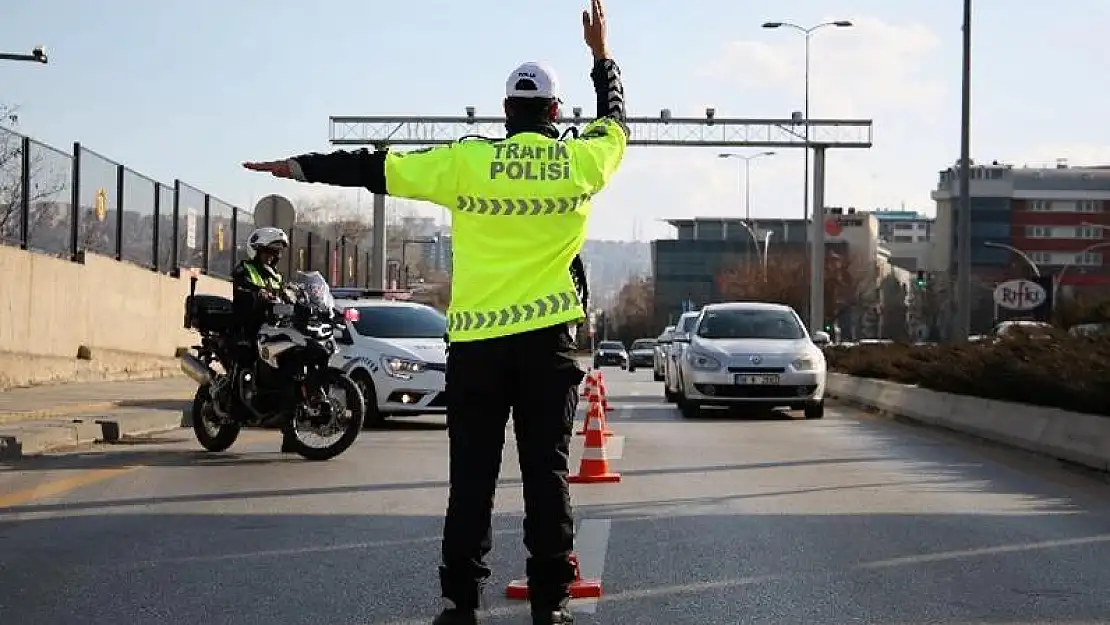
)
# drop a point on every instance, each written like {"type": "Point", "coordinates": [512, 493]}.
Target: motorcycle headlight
{"type": "Point", "coordinates": [401, 367]}
{"type": "Point", "coordinates": [703, 362]}
{"type": "Point", "coordinates": [805, 363]}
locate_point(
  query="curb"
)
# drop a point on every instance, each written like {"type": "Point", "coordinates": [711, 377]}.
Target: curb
{"type": "Point", "coordinates": [72, 410]}
{"type": "Point", "coordinates": [1073, 437]}
{"type": "Point", "coordinates": [52, 435]}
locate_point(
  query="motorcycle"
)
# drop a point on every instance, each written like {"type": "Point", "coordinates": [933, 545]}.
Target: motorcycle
{"type": "Point", "coordinates": [290, 385]}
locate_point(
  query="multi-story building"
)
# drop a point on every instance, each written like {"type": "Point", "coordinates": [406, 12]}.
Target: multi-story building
{"type": "Point", "coordinates": [686, 267]}
{"type": "Point", "coordinates": [908, 235]}
{"type": "Point", "coordinates": [1057, 215]}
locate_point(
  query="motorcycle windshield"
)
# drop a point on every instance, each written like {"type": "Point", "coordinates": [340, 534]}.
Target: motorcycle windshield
{"type": "Point", "coordinates": [313, 290]}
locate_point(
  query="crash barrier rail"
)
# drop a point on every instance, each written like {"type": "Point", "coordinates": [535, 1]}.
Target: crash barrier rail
{"type": "Point", "coordinates": [68, 203]}
{"type": "Point", "coordinates": [1074, 437]}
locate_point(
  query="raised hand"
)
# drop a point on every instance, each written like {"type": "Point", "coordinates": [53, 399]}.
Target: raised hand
{"type": "Point", "coordinates": [594, 31]}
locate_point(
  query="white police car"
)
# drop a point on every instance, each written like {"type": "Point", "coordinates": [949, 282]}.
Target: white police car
{"type": "Point", "coordinates": [395, 351]}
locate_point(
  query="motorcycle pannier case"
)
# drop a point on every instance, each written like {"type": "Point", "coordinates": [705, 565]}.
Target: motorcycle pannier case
{"type": "Point", "coordinates": [209, 313]}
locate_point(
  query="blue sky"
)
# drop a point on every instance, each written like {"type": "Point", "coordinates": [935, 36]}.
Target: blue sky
{"type": "Point", "coordinates": [190, 89]}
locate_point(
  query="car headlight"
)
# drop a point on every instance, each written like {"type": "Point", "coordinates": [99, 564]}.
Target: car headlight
{"type": "Point", "coordinates": [401, 368]}
{"type": "Point", "coordinates": [703, 362]}
{"type": "Point", "coordinates": [805, 363]}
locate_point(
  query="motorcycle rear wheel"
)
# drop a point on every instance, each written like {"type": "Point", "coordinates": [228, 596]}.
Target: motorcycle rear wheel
{"type": "Point", "coordinates": [221, 437]}
{"type": "Point", "coordinates": [351, 429]}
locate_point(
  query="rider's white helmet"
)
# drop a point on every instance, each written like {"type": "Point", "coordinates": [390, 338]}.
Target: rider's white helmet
{"type": "Point", "coordinates": [268, 237]}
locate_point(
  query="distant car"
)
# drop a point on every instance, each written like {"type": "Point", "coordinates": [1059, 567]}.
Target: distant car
{"type": "Point", "coordinates": [1033, 329]}
{"type": "Point", "coordinates": [753, 354]}
{"type": "Point", "coordinates": [672, 373]}
{"type": "Point", "coordinates": [610, 353]}
{"type": "Point", "coordinates": [662, 344]}
{"type": "Point", "coordinates": [641, 354]}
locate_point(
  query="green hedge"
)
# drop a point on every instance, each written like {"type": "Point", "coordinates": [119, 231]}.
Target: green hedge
{"type": "Point", "coordinates": [1061, 371]}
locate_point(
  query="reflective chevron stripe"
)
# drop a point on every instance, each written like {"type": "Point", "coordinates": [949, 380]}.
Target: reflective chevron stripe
{"type": "Point", "coordinates": [467, 320]}
{"type": "Point", "coordinates": [520, 206]}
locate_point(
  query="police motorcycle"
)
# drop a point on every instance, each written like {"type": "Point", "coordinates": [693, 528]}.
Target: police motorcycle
{"type": "Point", "coordinates": [291, 384]}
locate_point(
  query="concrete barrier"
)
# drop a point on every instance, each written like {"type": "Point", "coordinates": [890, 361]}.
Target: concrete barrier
{"type": "Point", "coordinates": [52, 307]}
{"type": "Point", "coordinates": [1075, 437]}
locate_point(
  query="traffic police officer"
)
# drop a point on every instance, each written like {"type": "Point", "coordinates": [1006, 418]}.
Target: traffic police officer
{"type": "Point", "coordinates": [520, 207]}
{"type": "Point", "coordinates": [255, 280]}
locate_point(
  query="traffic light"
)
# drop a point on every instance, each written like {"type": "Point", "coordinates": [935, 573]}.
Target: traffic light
{"type": "Point", "coordinates": [921, 280]}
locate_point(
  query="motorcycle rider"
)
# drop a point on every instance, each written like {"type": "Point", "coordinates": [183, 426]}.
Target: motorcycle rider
{"type": "Point", "coordinates": [256, 284]}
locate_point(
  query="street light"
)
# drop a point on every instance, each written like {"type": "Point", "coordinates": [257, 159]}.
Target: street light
{"type": "Point", "coordinates": [1020, 254]}
{"type": "Point", "coordinates": [1078, 255]}
{"type": "Point", "coordinates": [37, 55]}
{"type": "Point", "coordinates": [817, 226]}
{"type": "Point", "coordinates": [747, 158]}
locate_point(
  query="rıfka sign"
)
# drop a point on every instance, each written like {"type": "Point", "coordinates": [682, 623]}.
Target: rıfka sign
{"type": "Point", "coordinates": [1019, 294]}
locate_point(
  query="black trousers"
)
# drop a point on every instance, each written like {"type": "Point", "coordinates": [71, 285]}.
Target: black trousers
{"type": "Point", "coordinates": [535, 376]}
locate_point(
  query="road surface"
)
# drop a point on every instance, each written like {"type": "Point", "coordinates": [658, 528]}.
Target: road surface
{"type": "Point", "coordinates": [723, 520]}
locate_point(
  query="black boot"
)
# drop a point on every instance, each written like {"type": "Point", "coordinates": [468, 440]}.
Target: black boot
{"type": "Point", "coordinates": [287, 445]}
{"type": "Point", "coordinates": [558, 616]}
{"type": "Point", "coordinates": [456, 616]}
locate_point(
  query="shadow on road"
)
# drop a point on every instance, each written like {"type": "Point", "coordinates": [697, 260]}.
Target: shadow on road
{"type": "Point", "coordinates": [674, 569]}
{"type": "Point", "coordinates": [193, 459]}
{"type": "Point", "coordinates": [175, 405]}
{"type": "Point", "coordinates": [409, 424]}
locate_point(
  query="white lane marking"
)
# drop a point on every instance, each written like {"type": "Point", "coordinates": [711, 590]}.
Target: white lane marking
{"type": "Point", "coordinates": [614, 447]}
{"type": "Point", "coordinates": [591, 545]}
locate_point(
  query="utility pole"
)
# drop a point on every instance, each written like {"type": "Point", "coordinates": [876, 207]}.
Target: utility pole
{"type": "Point", "coordinates": [963, 236]}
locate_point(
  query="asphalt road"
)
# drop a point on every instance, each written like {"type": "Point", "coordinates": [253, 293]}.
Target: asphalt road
{"type": "Point", "coordinates": [723, 520]}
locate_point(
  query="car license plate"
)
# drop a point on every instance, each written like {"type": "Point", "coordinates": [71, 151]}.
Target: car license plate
{"type": "Point", "coordinates": [760, 379]}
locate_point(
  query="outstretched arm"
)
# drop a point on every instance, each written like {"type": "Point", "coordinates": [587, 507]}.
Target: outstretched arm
{"type": "Point", "coordinates": [342, 168]}
{"type": "Point", "coordinates": [427, 174]}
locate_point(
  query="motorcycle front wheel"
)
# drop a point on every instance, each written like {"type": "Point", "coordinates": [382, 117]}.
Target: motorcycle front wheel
{"type": "Point", "coordinates": [212, 434]}
{"type": "Point", "coordinates": [348, 412]}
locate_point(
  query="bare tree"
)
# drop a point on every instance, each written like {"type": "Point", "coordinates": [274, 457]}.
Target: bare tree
{"type": "Point", "coordinates": [633, 315]}
{"type": "Point", "coordinates": [46, 210]}
{"type": "Point", "coordinates": [333, 217]}
{"type": "Point", "coordinates": [846, 283]}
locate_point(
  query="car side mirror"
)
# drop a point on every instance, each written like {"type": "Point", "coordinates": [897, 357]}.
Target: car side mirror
{"type": "Point", "coordinates": [821, 339]}
{"type": "Point", "coordinates": [681, 338]}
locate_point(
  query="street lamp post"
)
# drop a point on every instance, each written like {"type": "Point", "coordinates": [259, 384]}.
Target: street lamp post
{"type": "Point", "coordinates": [747, 223]}
{"type": "Point", "coordinates": [37, 55]}
{"type": "Point", "coordinates": [747, 158]}
{"type": "Point", "coordinates": [817, 256]}
{"type": "Point", "coordinates": [1020, 254]}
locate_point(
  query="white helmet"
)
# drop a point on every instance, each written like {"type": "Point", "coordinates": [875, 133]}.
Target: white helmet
{"type": "Point", "coordinates": [267, 237]}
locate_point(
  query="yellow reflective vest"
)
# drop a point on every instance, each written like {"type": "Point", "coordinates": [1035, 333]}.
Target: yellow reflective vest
{"type": "Point", "coordinates": [272, 279]}
{"type": "Point", "coordinates": [519, 212]}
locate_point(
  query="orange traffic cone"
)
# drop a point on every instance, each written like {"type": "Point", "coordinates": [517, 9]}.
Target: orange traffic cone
{"type": "Point", "coordinates": [594, 467]}
{"type": "Point", "coordinates": [595, 413]}
{"type": "Point", "coordinates": [589, 385]}
{"type": "Point", "coordinates": [580, 589]}
{"type": "Point", "coordinates": [603, 391]}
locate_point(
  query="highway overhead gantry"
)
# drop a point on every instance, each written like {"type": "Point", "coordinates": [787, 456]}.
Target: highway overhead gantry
{"type": "Point", "coordinates": [663, 130]}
